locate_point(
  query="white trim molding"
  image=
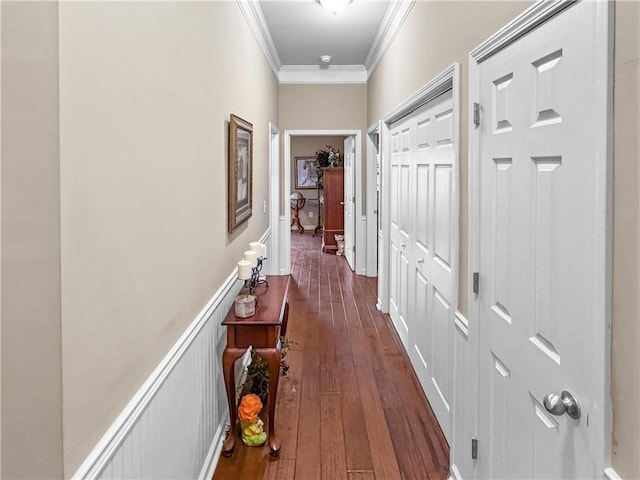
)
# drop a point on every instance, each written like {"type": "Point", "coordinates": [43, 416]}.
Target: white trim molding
{"type": "Point", "coordinates": [391, 24]}
{"type": "Point", "coordinates": [285, 241]}
{"type": "Point", "coordinates": [437, 86]}
{"type": "Point", "coordinates": [372, 152]}
{"type": "Point", "coordinates": [274, 198]}
{"type": "Point", "coordinates": [314, 74]}
{"type": "Point", "coordinates": [389, 28]}
{"type": "Point", "coordinates": [181, 407]}
{"type": "Point", "coordinates": [258, 24]}
{"type": "Point", "coordinates": [109, 451]}
{"type": "Point", "coordinates": [611, 474]}
{"type": "Point", "coordinates": [536, 15]}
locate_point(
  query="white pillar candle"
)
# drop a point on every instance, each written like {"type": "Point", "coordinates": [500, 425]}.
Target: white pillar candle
{"type": "Point", "coordinates": [251, 256]}
{"type": "Point", "coordinates": [244, 270]}
{"type": "Point", "coordinates": [263, 253]}
{"type": "Point", "coordinates": [256, 247]}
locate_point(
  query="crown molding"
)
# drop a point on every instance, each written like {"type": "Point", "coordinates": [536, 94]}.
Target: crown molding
{"type": "Point", "coordinates": [537, 14]}
{"type": "Point", "coordinates": [391, 23]}
{"type": "Point", "coordinates": [389, 28]}
{"type": "Point", "coordinates": [258, 26]}
{"type": "Point", "coordinates": [314, 74]}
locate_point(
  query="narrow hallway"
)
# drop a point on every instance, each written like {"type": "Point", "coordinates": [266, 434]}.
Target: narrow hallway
{"type": "Point", "coordinates": [350, 406]}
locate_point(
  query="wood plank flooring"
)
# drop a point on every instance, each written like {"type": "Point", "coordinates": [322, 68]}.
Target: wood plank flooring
{"type": "Point", "coordinates": [351, 406]}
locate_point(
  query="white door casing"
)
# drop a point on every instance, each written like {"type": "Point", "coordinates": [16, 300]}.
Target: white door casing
{"type": "Point", "coordinates": [541, 179]}
{"type": "Point", "coordinates": [284, 264]}
{"type": "Point", "coordinates": [349, 201]}
{"type": "Point", "coordinates": [372, 173]}
{"type": "Point", "coordinates": [274, 197]}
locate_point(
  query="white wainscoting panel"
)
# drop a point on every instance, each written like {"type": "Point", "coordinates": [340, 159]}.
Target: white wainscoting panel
{"type": "Point", "coordinates": [173, 427]}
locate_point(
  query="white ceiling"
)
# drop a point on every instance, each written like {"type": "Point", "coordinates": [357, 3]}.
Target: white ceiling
{"type": "Point", "coordinates": [293, 34]}
{"type": "Point", "coordinates": [302, 30]}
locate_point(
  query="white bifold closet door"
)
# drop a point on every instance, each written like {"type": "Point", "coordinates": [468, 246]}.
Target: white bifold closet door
{"type": "Point", "coordinates": [422, 246]}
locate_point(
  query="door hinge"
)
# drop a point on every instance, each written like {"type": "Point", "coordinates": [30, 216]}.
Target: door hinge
{"type": "Point", "coordinates": [476, 114]}
{"type": "Point", "coordinates": [353, 248]}
{"type": "Point", "coordinates": [353, 199]}
{"type": "Point", "coordinates": [476, 282]}
{"type": "Point", "coordinates": [474, 448]}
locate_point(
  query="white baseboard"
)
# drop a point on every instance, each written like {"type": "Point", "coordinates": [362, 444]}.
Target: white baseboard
{"type": "Point", "coordinates": [454, 474]}
{"type": "Point", "coordinates": [611, 474]}
{"type": "Point", "coordinates": [306, 228]}
{"type": "Point", "coordinates": [211, 461]}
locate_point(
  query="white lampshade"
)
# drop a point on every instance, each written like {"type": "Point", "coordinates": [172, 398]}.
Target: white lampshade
{"type": "Point", "coordinates": [334, 6]}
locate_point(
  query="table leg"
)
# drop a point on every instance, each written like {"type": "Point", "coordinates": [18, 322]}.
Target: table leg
{"type": "Point", "coordinates": [229, 357]}
{"type": "Point", "coordinates": [272, 358]}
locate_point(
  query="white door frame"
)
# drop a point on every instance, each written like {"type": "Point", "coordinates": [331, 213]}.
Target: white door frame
{"type": "Point", "coordinates": [537, 14]}
{"type": "Point", "coordinates": [373, 151]}
{"type": "Point", "coordinates": [274, 196]}
{"type": "Point", "coordinates": [284, 229]}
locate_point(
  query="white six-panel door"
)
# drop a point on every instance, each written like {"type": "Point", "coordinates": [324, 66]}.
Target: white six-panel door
{"type": "Point", "coordinates": [543, 252]}
{"type": "Point", "coordinates": [422, 239]}
{"type": "Point", "coordinates": [399, 238]}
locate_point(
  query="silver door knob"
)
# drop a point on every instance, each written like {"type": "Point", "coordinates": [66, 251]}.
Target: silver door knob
{"type": "Point", "coordinates": [420, 260]}
{"type": "Point", "coordinates": [402, 245]}
{"type": "Point", "coordinates": [341, 203]}
{"type": "Point", "coordinates": [566, 402]}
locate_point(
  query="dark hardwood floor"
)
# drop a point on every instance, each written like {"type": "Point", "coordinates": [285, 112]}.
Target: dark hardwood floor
{"type": "Point", "coordinates": [351, 407]}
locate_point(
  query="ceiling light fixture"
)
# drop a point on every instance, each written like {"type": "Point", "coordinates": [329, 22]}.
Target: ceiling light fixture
{"type": "Point", "coordinates": [334, 6]}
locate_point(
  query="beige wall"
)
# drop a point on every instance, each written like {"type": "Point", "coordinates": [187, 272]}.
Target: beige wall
{"type": "Point", "coordinates": [146, 89]}
{"type": "Point", "coordinates": [30, 254]}
{"type": "Point", "coordinates": [625, 450]}
{"type": "Point", "coordinates": [426, 45]}
{"type": "Point", "coordinates": [323, 107]}
{"type": "Point", "coordinates": [305, 147]}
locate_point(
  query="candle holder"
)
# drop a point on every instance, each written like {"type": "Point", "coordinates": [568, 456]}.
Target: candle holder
{"type": "Point", "coordinates": [256, 279]}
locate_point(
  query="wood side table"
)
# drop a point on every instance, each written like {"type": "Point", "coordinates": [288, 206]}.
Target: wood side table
{"type": "Point", "coordinates": [261, 331]}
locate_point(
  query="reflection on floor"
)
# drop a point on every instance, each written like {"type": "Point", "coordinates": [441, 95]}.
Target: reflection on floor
{"type": "Point", "coordinates": [351, 406]}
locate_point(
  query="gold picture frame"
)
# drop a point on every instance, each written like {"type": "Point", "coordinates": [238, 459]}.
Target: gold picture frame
{"type": "Point", "coordinates": [240, 171]}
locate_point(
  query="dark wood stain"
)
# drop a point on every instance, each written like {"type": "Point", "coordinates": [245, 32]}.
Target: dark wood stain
{"type": "Point", "coordinates": [351, 406]}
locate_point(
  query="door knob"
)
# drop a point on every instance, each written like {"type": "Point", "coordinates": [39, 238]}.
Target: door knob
{"type": "Point", "coordinates": [566, 402]}
{"type": "Point", "coordinates": [402, 245]}
{"type": "Point", "coordinates": [341, 203]}
{"type": "Point", "coordinates": [420, 260]}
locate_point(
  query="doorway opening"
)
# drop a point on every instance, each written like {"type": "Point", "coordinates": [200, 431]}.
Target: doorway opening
{"type": "Point", "coordinates": [297, 142]}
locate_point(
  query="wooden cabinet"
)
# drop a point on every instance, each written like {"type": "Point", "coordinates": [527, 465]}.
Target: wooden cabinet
{"type": "Point", "coordinates": [333, 184]}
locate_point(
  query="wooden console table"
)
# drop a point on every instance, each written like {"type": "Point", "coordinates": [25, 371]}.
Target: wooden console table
{"type": "Point", "coordinates": [262, 331]}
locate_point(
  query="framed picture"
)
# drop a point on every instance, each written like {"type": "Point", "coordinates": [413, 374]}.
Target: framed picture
{"type": "Point", "coordinates": [240, 171]}
{"type": "Point", "coordinates": [306, 172]}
